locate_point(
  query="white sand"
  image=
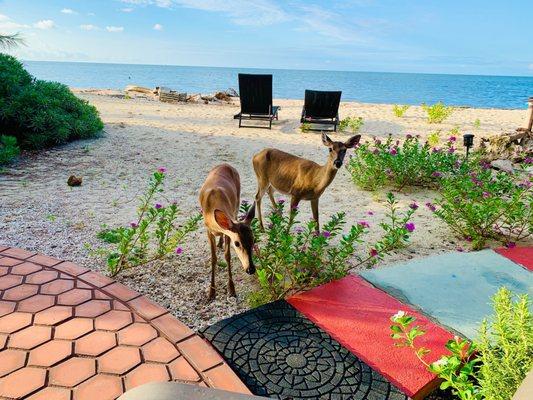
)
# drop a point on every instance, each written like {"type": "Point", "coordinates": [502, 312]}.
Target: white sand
{"type": "Point", "coordinates": [39, 211]}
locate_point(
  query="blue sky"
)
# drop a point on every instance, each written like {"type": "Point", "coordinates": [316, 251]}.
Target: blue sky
{"type": "Point", "coordinates": [437, 36]}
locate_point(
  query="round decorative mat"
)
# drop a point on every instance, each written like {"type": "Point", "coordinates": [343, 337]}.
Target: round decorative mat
{"type": "Point", "coordinates": [278, 353]}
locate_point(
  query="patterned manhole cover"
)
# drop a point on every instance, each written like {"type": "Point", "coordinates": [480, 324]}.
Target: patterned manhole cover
{"type": "Point", "coordinates": [279, 353]}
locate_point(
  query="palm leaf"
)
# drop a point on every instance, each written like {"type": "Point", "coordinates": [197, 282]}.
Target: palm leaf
{"type": "Point", "coordinates": [10, 41]}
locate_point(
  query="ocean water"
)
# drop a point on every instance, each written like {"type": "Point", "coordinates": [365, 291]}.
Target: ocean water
{"type": "Point", "coordinates": [370, 87]}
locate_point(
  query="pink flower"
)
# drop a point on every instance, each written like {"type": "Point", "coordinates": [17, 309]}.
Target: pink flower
{"type": "Point", "coordinates": [410, 226]}
{"type": "Point", "coordinates": [452, 139]}
{"type": "Point", "coordinates": [511, 245]}
{"type": "Point", "coordinates": [364, 224]}
{"type": "Point", "coordinates": [431, 206]}
{"type": "Point", "coordinates": [436, 174]}
{"type": "Point", "coordinates": [326, 234]}
{"type": "Point", "coordinates": [393, 152]}
{"type": "Point", "coordinates": [134, 224]}
{"type": "Point", "coordinates": [451, 150]}
{"type": "Point", "coordinates": [373, 253]}
{"type": "Point", "coordinates": [460, 249]}
{"type": "Point", "coordinates": [528, 160]}
{"type": "Point", "coordinates": [413, 206]}
{"type": "Point", "coordinates": [162, 170]}
{"type": "Point", "coordinates": [299, 229]}
{"type": "Point", "coordinates": [486, 195]}
{"type": "Point", "coordinates": [158, 206]}
{"type": "Point", "coordinates": [436, 150]}
{"type": "Point", "coordinates": [281, 201]}
{"type": "Point", "coordinates": [179, 250]}
{"type": "Point", "coordinates": [370, 212]}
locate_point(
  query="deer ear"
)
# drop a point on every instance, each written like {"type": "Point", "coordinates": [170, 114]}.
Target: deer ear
{"type": "Point", "coordinates": [352, 142]}
{"type": "Point", "coordinates": [250, 215]}
{"type": "Point", "coordinates": [326, 140]}
{"type": "Point", "coordinates": [223, 221]}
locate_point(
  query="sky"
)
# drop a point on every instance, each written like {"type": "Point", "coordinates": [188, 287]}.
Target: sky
{"type": "Point", "coordinates": [485, 37]}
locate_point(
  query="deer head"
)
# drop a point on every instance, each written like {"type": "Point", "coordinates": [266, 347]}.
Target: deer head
{"type": "Point", "coordinates": [337, 150]}
{"type": "Point", "coordinates": [241, 236]}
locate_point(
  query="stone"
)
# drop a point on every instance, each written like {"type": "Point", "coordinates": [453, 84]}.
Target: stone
{"type": "Point", "coordinates": [503, 165]}
{"type": "Point", "coordinates": [74, 180]}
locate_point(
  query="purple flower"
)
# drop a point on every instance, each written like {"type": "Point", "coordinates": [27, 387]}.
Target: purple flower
{"type": "Point", "coordinates": [436, 150]}
{"type": "Point", "coordinates": [179, 250]}
{"type": "Point", "coordinates": [376, 151]}
{"type": "Point", "coordinates": [485, 165]}
{"type": "Point", "coordinates": [486, 195]}
{"type": "Point", "coordinates": [134, 224]}
{"type": "Point", "coordinates": [460, 249]}
{"type": "Point", "coordinates": [162, 170]}
{"type": "Point", "coordinates": [451, 150]}
{"type": "Point", "coordinates": [364, 224]}
{"type": "Point", "coordinates": [373, 253]}
{"type": "Point", "coordinates": [326, 234]}
{"type": "Point", "coordinates": [370, 212]}
{"type": "Point", "coordinates": [299, 229]}
{"type": "Point", "coordinates": [528, 160]}
{"type": "Point", "coordinates": [410, 226]}
{"type": "Point", "coordinates": [413, 206]}
{"type": "Point", "coordinates": [436, 174]}
{"type": "Point", "coordinates": [468, 238]}
{"type": "Point", "coordinates": [525, 184]}
{"type": "Point", "coordinates": [377, 141]}
{"type": "Point", "coordinates": [408, 136]}
{"type": "Point", "coordinates": [158, 206]}
{"type": "Point", "coordinates": [452, 139]}
{"type": "Point", "coordinates": [281, 201]}
{"type": "Point", "coordinates": [511, 245]}
{"type": "Point", "coordinates": [393, 152]}
{"type": "Point", "coordinates": [431, 206]}
{"type": "Point", "coordinates": [245, 202]}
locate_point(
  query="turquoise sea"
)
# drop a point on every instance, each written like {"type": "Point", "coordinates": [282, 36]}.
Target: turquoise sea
{"type": "Point", "coordinates": [371, 87]}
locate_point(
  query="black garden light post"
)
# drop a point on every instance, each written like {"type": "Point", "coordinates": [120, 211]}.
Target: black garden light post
{"type": "Point", "coordinates": [468, 141]}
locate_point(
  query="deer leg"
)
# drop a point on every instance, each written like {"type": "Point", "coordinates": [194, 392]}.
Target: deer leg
{"type": "Point", "coordinates": [212, 244]}
{"type": "Point", "coordinates": [227, 255]}
{"type": "Point", "coordinates": [294, 205]}
{"type": "Point", "coordinates": [314, 208]}
{"type": "Point", "coordinates": [220, 241]}
{"type": "Point", "coordinates": [258, 197]}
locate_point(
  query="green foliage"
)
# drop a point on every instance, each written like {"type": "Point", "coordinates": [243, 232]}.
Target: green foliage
{"type": "Point", "coordinates": [353, 124]}
{"type": "Point", "coordinates": [305, 127]}
{"type": "Point", "coordinates": [152, 236]}
{"type": "Point", "coordinates": [399, 110]}
{"type": "Point", "coordinates": [437, 113]}
{"type": "Point", "coordinates": [491, 369]}
{"type": "Point", "coordinates": [40, 113]}
{"type": "Point", "coordinates": [291, 257]}
{"type": "Point", "coordinates": [480, 204]}
{"type": "Point", "coordinates": [8, 149]}
{"type": "Point", "coordinates": [377, 164]}
{"type": "Point", "coordinates": [477, 123]}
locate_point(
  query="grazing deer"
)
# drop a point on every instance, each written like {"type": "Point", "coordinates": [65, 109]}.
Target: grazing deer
{"type": "Point", "coordinates": [295, 176]}
{"type": "Point", "coordinates": [220, 198]}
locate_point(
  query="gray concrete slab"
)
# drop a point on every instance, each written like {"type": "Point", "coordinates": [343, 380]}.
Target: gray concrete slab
{"type": "Point", "coordinates": [453, 288]}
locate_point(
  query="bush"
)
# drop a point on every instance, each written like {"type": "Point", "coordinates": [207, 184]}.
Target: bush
{"type": "Point", "coordinates": [353, 124]}
{"type": "Point", "coordinates": [480, 204]}
{"type": "Point", "coordinates": [437, 113]}
{"type": "Point", "coordinates": [8, 149]}
{"type": "Point", "coordinates": [399, 110]}
{"type": "Point", "coordinates": [39, 113]}
{"type": "Point", "coordinates": [374, 165]}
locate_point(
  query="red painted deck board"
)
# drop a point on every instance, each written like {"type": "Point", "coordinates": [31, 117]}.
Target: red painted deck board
{"type": "Point", "coordinates": [519, 255]}
{"type": "Point", "coordinates": [358, 315]}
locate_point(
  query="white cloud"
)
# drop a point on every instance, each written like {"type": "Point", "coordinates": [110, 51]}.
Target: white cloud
{"type": "Point", "coordinates": [114, 28]}
{"type": "Point", "coordinates": [45, 24]}
{"type": "Point", "coordinates": [127, 9]}
{"type": "Point", "coordinates": [158, 27]}
{"type": "Point", "coordinates": [89, 27]}
{"type": "Point", "coordinates": [8, 26]}
{"type": "Point", "coordinates": [158, 3]}
{"type": "Point", "coordinates": [68, 11]}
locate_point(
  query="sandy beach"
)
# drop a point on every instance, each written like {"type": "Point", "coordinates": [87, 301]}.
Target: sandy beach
{"type": "Point", "coordinates": [38, 211]}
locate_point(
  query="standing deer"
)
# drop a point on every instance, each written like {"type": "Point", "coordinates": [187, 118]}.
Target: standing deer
{"type": "Point", "coordinates": [295, 176]}
{"type": "Point", "coordinates": [220, 198]}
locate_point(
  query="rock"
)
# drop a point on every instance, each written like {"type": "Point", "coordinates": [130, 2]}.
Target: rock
{"type": "Point", "coordinates": [194, 98]}
{"type": "Point", "coordinates": [503, 165]}
{"type": "Point", "coordinates": [74, 180]}
{"type": "Point", "coordinates": [222, 96]}
{"type": "Point", "coordinates": [232, 92]}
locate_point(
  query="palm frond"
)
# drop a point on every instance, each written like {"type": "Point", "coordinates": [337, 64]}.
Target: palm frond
{"type": "Point", "coordinates": [10, 41]}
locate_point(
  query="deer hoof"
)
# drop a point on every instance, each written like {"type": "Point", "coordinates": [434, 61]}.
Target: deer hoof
{"type": "Point", "coordinates": [211, 294]}
{"type": "Point", "coordinates": [231, 290]}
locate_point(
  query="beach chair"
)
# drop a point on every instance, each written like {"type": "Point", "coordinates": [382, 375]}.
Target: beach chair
{"type": "Point", "coordinates": [255, 93]}
{"type": "Point", "coordinates": [321, 107]}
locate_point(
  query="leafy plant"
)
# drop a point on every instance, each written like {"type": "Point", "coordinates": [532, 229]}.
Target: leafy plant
{"type": "Point", "coordinates": [152, 236]}
{"type": "Point", "coordinates": [437, 112]}
{"type": "Point", "coordinates": [305, 127]}
{"type": "Point", "coordinates": [291, 256]}
{"type": "Point", "coordinates": [490, 369]}
{"type": "Point", "coordinates": [8, 149]}
{"type": "Point", "coordinates": [477, 123]}
{"type": "Point", "coordinates": [401, 164]}
{"type": "Point", "coordinates": [353, 124]}
{"type": "Point", "coordinates": [399, 110]}
{"type": "Point", "coordinates": [479, 204]}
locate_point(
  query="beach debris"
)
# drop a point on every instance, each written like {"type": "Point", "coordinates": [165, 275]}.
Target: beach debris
{"type": "Point", "coordinates": [74, 180]}
{"type": "Point", "coordinates": [232, 92]}
{"type": "Point", "coordinates": [194, 98]}
{"type": "Point", "coordinates": [223, 96]}
{"type": "Point", "coordinates": [168, 95]}
{"type": "Point", "coordinates": [139, 89]}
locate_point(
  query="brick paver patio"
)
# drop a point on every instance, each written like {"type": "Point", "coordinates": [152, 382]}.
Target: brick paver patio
{"type": "Point", "coordinates": [68, 333]}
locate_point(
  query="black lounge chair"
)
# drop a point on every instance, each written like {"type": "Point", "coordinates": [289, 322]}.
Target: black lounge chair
{"type": "Point", "coordinates": [321, 107]}
{"type": "Point", "coordinates": [255, 93]}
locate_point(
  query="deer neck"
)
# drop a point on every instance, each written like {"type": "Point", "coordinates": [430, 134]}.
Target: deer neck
{"type": "Point", "coordinates": [327, 172]}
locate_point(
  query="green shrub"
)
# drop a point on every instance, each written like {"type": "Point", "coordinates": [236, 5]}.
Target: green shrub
{"type": "Point", "coordinates": [437, 113]}
{"type": "Point", "coordinates": [374, 165]}
{"type": "Point", "coordinates": [305, 127]}
{"type": "Point", "coordinates": [8, 149]}
{"type": "Point", "coordinates": [399, 110]}
{"type": "Point", "coordinates": [353, 124]}
{"type": "Point", "coordinates": [39, 113]}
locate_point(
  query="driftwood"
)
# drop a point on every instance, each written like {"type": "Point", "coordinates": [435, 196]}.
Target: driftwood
{"type": "Point", "coordinates": [170, 96]}
{"type": "Point", "coordinates": [139, 89]}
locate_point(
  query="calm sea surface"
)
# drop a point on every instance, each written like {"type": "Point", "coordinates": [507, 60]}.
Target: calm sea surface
{"type": "Point", "coordinates": [370, 87]}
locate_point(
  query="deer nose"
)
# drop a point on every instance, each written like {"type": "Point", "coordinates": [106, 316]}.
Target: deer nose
{"type": "Point", "coordinates": [250, 270]}
{"type": "Point", "coordinates": [338, 163]}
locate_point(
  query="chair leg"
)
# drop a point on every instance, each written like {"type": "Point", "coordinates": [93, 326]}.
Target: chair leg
{"type": "Point", "coordinates": [240, 120]}
{"type": "Point", "coordinates": [270, 124]}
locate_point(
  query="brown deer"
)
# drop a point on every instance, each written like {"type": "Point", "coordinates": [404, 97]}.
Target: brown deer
{"type": "Point", "coordinates": [295, 176]}
{"type": "Point", "coordinates": [220, 198]}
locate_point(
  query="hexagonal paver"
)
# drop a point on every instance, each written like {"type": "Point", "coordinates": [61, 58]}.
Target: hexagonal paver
{"type": "Point", "coordinates": [6, 307]}
{"type": "Point", "coordinates": [9, 281]}
{"type": "Point", "coordinates": [53, 315]}
{"type": "Point", "coordinates": [72, 372]}
{"type": "Point", "coordinates": [20, 292]}
{"type": "Point", "coordinates": [74, 328]}
{"type": "Point", "coordinates": [50, 353]}
{"type": "Point", "coordinates": [8, 261]}
{"type": "Point", "coordinates": [57, 287]}
{"type": "Point", "coordinates": [136, 334]}
{"type": "Point", "coordinates": [95, 343]}
{"type": "Point", "coordinates": [119, 360]}
{"type": "Point", "coordinates": [25, 268]}
{"type": "Point", "coordinates": [93, 308]}
{"type": "Point", "coordinates": [18, 253]}
{"type": "Point", "coordinates": [15, 321]}
{"type": "Point", "coordinates": [101, 387]}
{"type": "Point", "coordinates": [51, 393]}
{"type": "Point", "coordinates": [181, 370]}
{"type": "Point", "coordinates": [36, 303]}
{"type": "Point", "coordinates": [3, 340]}
{"type": "Point", "coordinates": [22, 382]}
{"type": "Point", "coordinates": [113, 320]}
{"type": "Point", "coordinates": [44, 260]}
{"type": "Point", "coordinates": [41, 277]}
{"type": "Point", "coordinates": [160, 350]}
{"type": "Point", "coordinates": [30, 337]}
{"type": "Point", "coordinates": [11, 360]}
{"type": "Point", "coordinates": [145, 373]}
{"type": "Point", "coordinates": [74, 297]}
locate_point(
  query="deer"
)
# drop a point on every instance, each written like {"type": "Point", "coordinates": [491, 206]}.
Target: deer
{"type": "Point", "coordinates": [220, 198]}
{"type": "Point", "coordinates": [298, 177]}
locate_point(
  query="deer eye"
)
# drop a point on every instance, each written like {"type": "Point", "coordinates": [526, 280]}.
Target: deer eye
{"type": "Point", "coordinates": [237, 244]}
{"type": "Point", "coordinates": [330, 149]}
